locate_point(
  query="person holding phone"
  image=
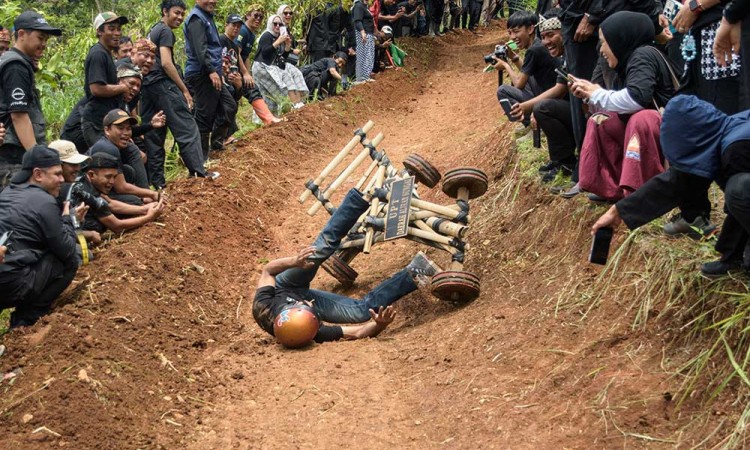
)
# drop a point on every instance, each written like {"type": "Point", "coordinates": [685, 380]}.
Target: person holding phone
{"type": "Point", "coordinates": [534, 74]}
{"type": "Point", "coordinates": [274, 77]}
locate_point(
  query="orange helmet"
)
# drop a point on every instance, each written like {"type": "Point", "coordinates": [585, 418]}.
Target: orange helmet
{"type": "Point", "coordinates": [296, 326]}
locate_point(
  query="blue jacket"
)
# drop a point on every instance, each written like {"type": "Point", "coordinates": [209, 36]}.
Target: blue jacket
{"type": "Point", "coordinates": [213, 44]}
{"type": "Point", "coordinates": [694, 134]}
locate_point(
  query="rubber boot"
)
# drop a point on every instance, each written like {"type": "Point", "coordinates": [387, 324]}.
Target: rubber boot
{"type": "Point", "coordinates": [265, 114]}
{"type": "Point", "coordinates": [205, 145]}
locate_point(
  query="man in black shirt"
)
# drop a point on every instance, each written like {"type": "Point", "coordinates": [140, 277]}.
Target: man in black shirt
{"type": "Point", "coordinates": [390, 15]}
{"type": "Point", "coordinates": [71, 130]}
{"type": "Point", "coordinates": [324, 74]}
{"type": "Point", "coordinates": [249, 30]}
{"type": "Point", "coordinates": [20, 106]}
{"type": "Point", "coordinates": [114, 215]}
{"type": "Point", "coordinates": [164, 90]}
{"type": "Point", "coordinates": [130, 184]}
{"type": "Point", "coordinates": [537, 73]}
{"type": "Point", "coordinates": [43, 258]}
{"type": "Point", "coordinates": [285, 283]}
{"type": "Point", "coordinates": [103, 91]}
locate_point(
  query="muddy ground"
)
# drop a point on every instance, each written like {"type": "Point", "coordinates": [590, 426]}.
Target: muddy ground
{"type": "Point", "coordinates": [155, 347]}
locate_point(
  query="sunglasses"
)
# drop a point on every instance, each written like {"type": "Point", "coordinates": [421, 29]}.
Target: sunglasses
{"type": "Point", "coordinates": [257, 16]}
{"type": "Point", "coordinates": [288, 13]}
{"type": "Point", "coordinates": [277, 24]}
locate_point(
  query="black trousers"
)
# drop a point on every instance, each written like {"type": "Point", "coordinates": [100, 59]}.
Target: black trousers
{"type": "Point", "coordinates": [554, 118]}
{"type": "Point", "coordinates": [11, 157]}
{"type": "Point", "coordinates": [92, 132]}
{"type": "Point", "coordinates": [475, 13]}
{"type": "Point", "coordinates": [165, 96]}
{"type": "Point", "coordinates": [208, 101]}
{"type": "Point", "coordinates": [32, 289]}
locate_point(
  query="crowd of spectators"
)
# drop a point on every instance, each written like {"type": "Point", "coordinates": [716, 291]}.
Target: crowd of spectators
{"type": "Point", "coordinates": [639, 103]}
{"type": "Point", "coordinates": [106, 172]}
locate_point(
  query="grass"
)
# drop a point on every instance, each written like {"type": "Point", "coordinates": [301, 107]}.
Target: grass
{"type": "Point", "coordinates": [656, 283]}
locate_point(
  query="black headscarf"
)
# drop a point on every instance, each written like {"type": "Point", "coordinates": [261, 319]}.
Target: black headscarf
{"type": "Point", "coordinates": [625, 31]}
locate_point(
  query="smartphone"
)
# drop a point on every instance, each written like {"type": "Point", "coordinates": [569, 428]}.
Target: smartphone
{"type": "Point", "coordinates": [564, 75]}
{"type": "Point", "coordinates": [282, 31]}
{"type": "Point", "coordinates": [507, 105]}
{"type": "Point", "coordinates": [4, 238]}
{"type": "Point", "coordinates": [600, 246]}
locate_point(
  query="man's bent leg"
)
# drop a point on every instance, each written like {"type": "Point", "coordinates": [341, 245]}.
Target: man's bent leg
{"type": "Point", "coordinates": [335, 308]}
{"type": "Point", "coordinates": [327, 242]}
{"type": "Point", "coordinates": [51, 278]}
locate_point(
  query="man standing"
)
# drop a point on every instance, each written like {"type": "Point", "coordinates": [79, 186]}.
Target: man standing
{"type": "Point", "coordinates": [203, 70]}
{"type": "Point", "coordinates": [248, 31]}
{"type": "Point", "coordinates": [20, 107]}
{"type": "Point", "coordinates": [103, 91]}
{"type": "Point", "coordinates": [164, 90]}
{"type": "Point", "coordinates": [44, 258]}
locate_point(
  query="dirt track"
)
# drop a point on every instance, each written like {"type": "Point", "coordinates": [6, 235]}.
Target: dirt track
{"type": "Point", "coordinates": [157, 347]}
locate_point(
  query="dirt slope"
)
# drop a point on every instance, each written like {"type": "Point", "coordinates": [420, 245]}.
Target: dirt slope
{"type": "Point", "coordinates": [156, 348]}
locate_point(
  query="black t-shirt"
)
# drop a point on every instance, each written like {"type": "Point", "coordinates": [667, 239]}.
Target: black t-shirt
{"type": "Point", "coordinates": [104, 145]}
{"type": "Point", "coordinates": [388, 10]}
{"type": "Point", "coordinates": [320, 66]}
{"type": "Point", "coordinates": [99, 68]}
{"type": "Point", "coordinates": [16, 86]}
{"type": "Point", "coordinates": [162, 36]}
{"type": "Point", "coordinates": [269, 302]}
{"type": "Point", "coordinates": [229, 48]}
{"type": "Point", "coordinates": [540, 65]}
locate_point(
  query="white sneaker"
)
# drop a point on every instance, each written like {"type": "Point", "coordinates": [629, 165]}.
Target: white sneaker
{"type": "Point", "coordinates": [298, 105]}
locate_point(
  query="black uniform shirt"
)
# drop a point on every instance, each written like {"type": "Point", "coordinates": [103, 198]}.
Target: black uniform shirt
{"type": "Point", "coordinates": [38, 227]}
{"type": "Point", "coordinates": [99, 68]}
{"type": "Point", "coordinates": [269, 302]}
{"type": "Point", "coordinates": [162, 36]}
{"type": "Point", "coordinates": [16, 86]}
{"type": "Point", "coordinates": [540, 65]}
{"type": "Point", "coordinates": [104, 145]}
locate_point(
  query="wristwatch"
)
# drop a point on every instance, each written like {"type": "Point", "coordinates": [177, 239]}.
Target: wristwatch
{"type": "Point", "coordinates": [695, 6]}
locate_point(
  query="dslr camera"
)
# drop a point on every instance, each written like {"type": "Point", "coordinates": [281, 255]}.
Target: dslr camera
{"type": "Point", "coordinates": [78, 194]}
{"type": "Point", "coordinates": [501, 52]}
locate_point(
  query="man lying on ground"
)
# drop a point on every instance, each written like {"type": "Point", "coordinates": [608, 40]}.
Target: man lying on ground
{"type": "Point", "coordinates": [283, 296]}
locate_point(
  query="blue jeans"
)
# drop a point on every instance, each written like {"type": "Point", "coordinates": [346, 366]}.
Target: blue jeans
{"type": "Point", "coordinates": [335, 308]}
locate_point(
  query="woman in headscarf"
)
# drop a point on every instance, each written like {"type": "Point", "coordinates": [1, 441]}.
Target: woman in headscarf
{"type": "Point", "coordinates": [716, 148]}
{"type": "Point", "coordinates": [286, 14]}
{"type": "Point", "coordinates": [364, 27]}
{"type": "Point", "coordinates": [275, 78]}
{"type": "Point", "coordinates": [621, 148]}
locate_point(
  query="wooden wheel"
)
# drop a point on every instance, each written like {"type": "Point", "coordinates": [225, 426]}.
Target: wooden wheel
{"type": "Point", "coordinates": [474, 180]}
{"type": "Point", "coordinates": [424, 172]}
{"type": "Point", "coordinates": [456, 286]}
{"type": "Point", "coordinates": [340, 269]}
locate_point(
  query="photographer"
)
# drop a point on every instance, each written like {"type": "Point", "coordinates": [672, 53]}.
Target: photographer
{"type": "Point", "coordinates": [390, 15]}
{"type": "Point", "coordinates": [42, 258]}
{"type": "Point", "coordinates": [406, 24]}
{"type": "Point", "coordinates": [107, 213]}
{"type": "Point", "coordinates": [537, 72]}
{"type": "Point", "coordinates": [71, 171]}
{"type": "Point", "coordinates": [324, 74]}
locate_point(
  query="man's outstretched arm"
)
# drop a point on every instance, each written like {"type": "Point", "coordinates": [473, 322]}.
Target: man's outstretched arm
{"type": "Point", "coordinates": [275, 267]}
{"type": "Point", "coordinates": [379, 322]}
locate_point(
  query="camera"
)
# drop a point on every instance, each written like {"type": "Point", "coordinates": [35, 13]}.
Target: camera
{"type": "Point", "coordinates": [78, 194]}
{"type": "Point", "coordinates": [501, 52]}
{"type": "Point", "coordinates": [234, 69]}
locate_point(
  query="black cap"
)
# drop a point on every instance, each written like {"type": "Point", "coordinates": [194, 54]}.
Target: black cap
{"type": "Point", "coordinates": [40, 156]}
{"type": "Point", "coordinates": [118, 116]}
{"type": "Point", "coordinates": [235, 18]}
{"type": "Point", "coordinates": [32, 20]}
{"type": "Point", "coordinates": [103, 161]}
